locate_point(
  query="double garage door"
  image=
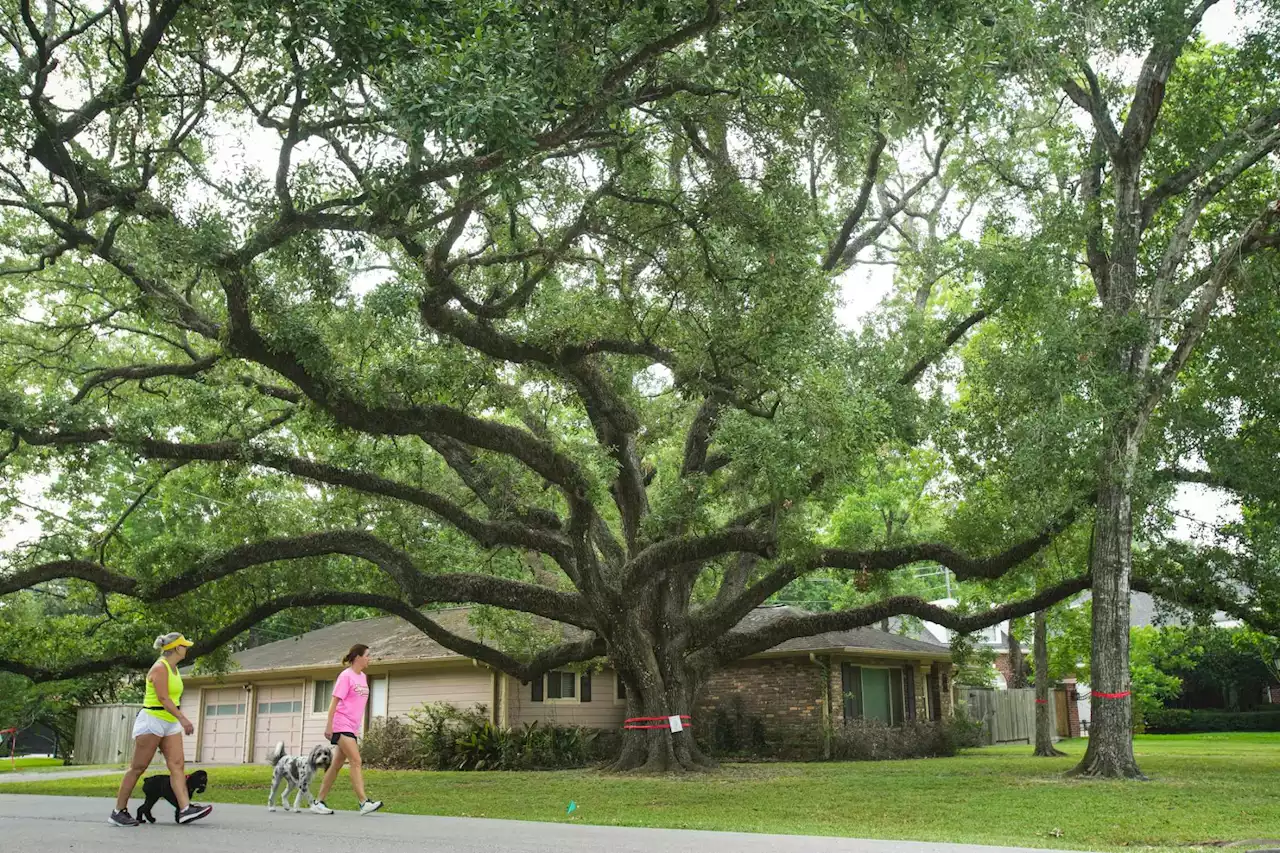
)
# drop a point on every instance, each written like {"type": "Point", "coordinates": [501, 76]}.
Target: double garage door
{"type": "Point", "coordinates": [279, 718]}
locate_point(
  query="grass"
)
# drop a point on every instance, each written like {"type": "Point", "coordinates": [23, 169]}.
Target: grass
{"type": "Point", "coordinates": [51, 765]}
{"type": "Point", "coordinates": [27, 764]}
{"type": "Point", "coordinates": [1204, 788]}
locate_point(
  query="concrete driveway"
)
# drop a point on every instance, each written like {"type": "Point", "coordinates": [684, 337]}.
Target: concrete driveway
{"type": "Point", "coordinates": [45, 824]}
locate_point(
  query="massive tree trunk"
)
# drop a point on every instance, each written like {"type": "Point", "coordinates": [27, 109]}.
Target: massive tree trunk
{"type": "Point", "coordinates": [657, 749]}
{"type": "Point", "coordinates": [1044, 721]}
{"type": "Point", "coordinates": [1110, 752]}
{"type": "Point", "coordinates": [658, 688]}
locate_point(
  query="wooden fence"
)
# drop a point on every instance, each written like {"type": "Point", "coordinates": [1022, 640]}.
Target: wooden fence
{"type": "Point", "coordinates": [104, 734]}
{"type": "Point", "coordinates": [1007, 716]}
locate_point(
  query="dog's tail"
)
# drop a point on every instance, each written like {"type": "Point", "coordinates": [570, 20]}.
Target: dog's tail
{"type": "Point", "coordinates": [276, 753]}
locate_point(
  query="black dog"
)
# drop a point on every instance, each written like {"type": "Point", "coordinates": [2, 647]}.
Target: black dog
{"type": "Point", "coordinates": [156, 788]}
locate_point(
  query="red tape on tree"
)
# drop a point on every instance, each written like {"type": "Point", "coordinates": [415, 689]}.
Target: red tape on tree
{"type": "Point", "coordinates": [1042, 701]}
{"type": "Point", "coordinates": [663, 722]}
{"type": "Point", "coordinates": [1110, 695]}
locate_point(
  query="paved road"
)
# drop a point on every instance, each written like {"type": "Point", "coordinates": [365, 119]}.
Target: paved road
{"type": "Point", "coordinates": [49, 824]}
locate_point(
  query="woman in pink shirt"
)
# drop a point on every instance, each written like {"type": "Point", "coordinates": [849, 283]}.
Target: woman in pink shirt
{"type": "Point", "coordinates": [346, 713]}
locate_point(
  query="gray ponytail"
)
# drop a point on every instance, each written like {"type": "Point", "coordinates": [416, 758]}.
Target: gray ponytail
{"type": "Point", "coordinates": [165, 639]}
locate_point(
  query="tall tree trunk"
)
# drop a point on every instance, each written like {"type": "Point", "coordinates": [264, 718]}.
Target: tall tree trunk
{"type": "Point", "coordinates": [1110, 752]}
{"type": "Point", "coordinates": [659, 750]}
{"type": "Point", "coordinates": [659, 686]}
{"type": "Point", "coordinates": [1044, 721]}
{"type": "Point", "coordinates": [1017, 663]}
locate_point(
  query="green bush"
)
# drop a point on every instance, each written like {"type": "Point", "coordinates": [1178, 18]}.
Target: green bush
{"type": "Point", "coordinates": [441, 737]}
{"type": "Point", "coordinates": [872, 740]}
{"type": "Point", "coordinates": [1167, 721]}
{"type": "Point", "coordinates": [734, 733]}
{"type": "Point", "coordinates": [390, 745]}
{"type": "Point", "coordinates": [436, 728]}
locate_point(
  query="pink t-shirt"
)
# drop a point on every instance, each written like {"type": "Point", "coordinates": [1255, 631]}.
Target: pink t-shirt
{"type": "Point", "coordinates": [352, 692]}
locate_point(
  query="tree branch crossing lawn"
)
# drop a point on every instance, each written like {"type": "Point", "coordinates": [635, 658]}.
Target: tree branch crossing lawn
{"type": "Point", "coordinates": [1203, 789]}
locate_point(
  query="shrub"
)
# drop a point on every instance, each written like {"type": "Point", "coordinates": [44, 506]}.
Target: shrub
{"type": "Point", "coordinates": [872, 740]}
{"type": "Point", "coordinates": [390, 745]}
{"type": "Point", "coordinates": [436, 729]}
{"type": "Point", "coordinates": [442, 737]}
{"type": "Point", "coordinates": [734, 733]}
{"type": "Point", "coordinates": [1182, 721]}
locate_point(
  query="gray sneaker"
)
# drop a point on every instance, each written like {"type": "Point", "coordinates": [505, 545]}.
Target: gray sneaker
{"type": "Point", "coordinates": [370, 806]}
{"type": "Point", "coordinates": [193, 812]}
{"type": "Point", "coordinates": [122, 818]}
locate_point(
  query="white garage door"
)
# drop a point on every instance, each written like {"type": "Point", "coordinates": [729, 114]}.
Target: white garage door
{"type": "Point", "coordinates": [279, 719]}
{"type": "Point", "coordinates": [222, 730]}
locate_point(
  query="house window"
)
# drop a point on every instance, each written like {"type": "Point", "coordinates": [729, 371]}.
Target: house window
{"type": "Point", "coordinates": [621, 692]}
{"type": "Point", "coordinates": [561, 685]}
{"type": "Point", "coordinates": [377, 705]}
{"type": "Point", "coordinates": [324, 689]}
{"type": "Point", "coordinates": [280, 707]}
{"type": "Point", "coordinates": [873, 693]}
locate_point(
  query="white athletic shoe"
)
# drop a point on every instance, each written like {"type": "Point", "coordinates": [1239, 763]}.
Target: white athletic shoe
{"type": "Point", "coordinates": [318, 807]}
{"type": "Point", "coordinates": [370, 806]}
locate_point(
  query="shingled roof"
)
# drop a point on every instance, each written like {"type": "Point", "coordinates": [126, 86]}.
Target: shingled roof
{"type": "Point", "coordinates": [390, 639]}
{"type": "Point", "coordinates": [855, 639]}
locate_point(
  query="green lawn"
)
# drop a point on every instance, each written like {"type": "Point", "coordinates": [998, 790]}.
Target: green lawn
{"type": "Point", "coordinates": [1204, 789]}
{"type": "Point", "coordinates": [28, 764]}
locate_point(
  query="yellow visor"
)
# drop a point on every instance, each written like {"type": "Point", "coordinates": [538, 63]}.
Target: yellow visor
{"type": "Point", "coordinates": [181, 641]}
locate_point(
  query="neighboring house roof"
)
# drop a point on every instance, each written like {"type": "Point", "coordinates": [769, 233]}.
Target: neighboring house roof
{"type": "Point", "coordinates": [856, 639]}
{"type": "Point", "coordinates": [391, 639]}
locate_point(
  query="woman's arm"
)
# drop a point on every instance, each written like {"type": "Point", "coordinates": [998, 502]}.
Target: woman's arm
{"type": "Point", "coordinates": [328, 726]}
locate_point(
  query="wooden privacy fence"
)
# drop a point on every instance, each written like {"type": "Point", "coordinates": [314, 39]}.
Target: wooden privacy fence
{"type": "Point", "coordinates": [104, 734]}
{"type": "Point", "coordinates": [1007, 716]}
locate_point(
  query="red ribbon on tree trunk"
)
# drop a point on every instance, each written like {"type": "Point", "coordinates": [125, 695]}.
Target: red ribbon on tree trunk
{"type": "Point", "coordinates": [1109, 695]}
{"type": "Point", "coordinates": [1042, 701]}
{"type": "Point", "coordinates": [665, 724]}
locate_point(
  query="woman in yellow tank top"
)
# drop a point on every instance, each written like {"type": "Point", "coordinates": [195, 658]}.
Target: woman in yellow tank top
{"type": "Point", "coordinates": [160, 725]}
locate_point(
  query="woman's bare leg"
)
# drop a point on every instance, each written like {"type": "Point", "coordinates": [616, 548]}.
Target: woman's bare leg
{"type": "Point", "coordinates": [173, 757]}
{"type": "Point", "coordinates": [144, 749]}
{"type": "Point", "coordinates": [331, 775]}
{"type": "Point", "coordinates": [347, 747]}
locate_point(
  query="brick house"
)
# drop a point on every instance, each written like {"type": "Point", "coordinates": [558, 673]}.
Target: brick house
{"type": "Point", "coordinates": [280, 691]}
{"type": "Point", "coordinates": [799, 689]}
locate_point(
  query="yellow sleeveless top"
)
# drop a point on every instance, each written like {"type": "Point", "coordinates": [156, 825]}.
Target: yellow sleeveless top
{"type": "Point", "coordinates": [151, 703]}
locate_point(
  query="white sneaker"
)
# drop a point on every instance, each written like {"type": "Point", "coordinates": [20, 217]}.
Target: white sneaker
{"type": "Point", "coordinates": [370, 806]}
{"type": "Point", "coordinates": [318, 807]}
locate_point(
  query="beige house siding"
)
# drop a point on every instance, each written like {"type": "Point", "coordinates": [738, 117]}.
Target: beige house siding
{"type": "Point", "coordinates": [195, 702]}
{"type": "Point", "coordinates": [602, 712]}
{"type": "Point", "coordinates": [462, 685]}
